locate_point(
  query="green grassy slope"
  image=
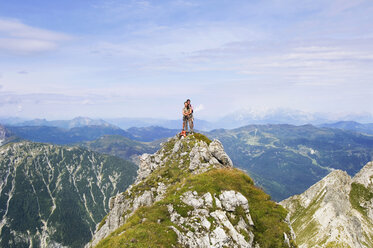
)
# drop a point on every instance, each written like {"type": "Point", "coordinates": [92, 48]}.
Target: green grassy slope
{"type": "Point", "coordinates": [150, 226]}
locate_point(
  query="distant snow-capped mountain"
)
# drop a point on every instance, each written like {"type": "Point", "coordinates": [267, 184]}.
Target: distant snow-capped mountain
{"type": "Point", "coordinates": [286, 116]}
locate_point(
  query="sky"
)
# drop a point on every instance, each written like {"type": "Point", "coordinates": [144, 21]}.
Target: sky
{"type": "Point", "coordinates": [128, 58]}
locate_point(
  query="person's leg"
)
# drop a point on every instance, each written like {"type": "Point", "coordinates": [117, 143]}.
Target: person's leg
{"type": "Point", "coordinates": [190, 125]}
{"type": "Point", "coordinates": [186, 124]}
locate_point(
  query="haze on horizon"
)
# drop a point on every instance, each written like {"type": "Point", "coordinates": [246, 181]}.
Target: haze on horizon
{"type": "Point", "coordinates": [105, 59]}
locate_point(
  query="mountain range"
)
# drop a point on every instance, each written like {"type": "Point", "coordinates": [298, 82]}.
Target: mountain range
{"type": "Point", "coordinates": [67, 124]}
{"type": "Point", "coordinates": [235, 119]}
{"type": "Point", "coordinates": [120, 146]}
{"type": "Point", "coordinates": [283, 159]}
{"type": "Point", "coordinates": [58, 135]}
{"type": "Point", "coordinates": [44, 186]}
{"type": "Point", "coordinates": [53, 196]}
{"type": "Point", "coordinates": [286, 116]}
{"type": "Point", "coordinates": [351, 126]}
{"type": "Point", "coordinates": [286, 159]}
{"type": "Point", "coordinates": [62, 136]}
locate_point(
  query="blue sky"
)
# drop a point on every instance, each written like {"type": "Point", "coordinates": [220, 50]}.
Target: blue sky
{"type": "Point", "coordinates": [61, 59]}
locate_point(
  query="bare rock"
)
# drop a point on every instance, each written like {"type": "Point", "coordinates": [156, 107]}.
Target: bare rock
{"type": "Point", "coordinates": [217, 150]}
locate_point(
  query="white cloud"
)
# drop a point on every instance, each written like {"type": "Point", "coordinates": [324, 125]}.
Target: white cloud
{"type": "Point", "coordinates": [16, 37]}
{"type": "Point", "coordinates": [19, 108]}
{"type": "Point", "coordinates": [15, 28]}
{"type": "Point", "coordinates": [26, 46]}
{"type": "Point", "coordinates": [199, 108]}
{"type": "Point", "coordinates": [174, 42]}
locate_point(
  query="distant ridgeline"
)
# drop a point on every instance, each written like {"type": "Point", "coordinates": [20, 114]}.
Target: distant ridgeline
{"type": "Point", "coordinates": [53, 196]}
{"type": "Point", "coordinates": [58, 135]}
{"type": "Point", "coordinates": [286, 160]}
{"type": "Point", "coordinates": [283, 159]}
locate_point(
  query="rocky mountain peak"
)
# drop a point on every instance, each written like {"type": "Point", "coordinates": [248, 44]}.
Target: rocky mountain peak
{"type": "Point", "coordinates": [336, 211]}
{"type": "Point", "coordinates": [201, 156]}
{"type": "Point", "coordinates": [188, 194]}
{"type": "Point", "coordinates": [365, 176]}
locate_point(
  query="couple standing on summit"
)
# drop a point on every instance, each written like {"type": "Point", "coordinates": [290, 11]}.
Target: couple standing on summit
{"type": "Point", "coordinates": [188, 116]}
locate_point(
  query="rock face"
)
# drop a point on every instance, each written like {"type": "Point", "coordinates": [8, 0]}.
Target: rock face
{"type": "Point", "coordinates": [4, 135]}
{"type": "Point", "coordinates": [187, 194]}
{"type": "Point", "coordinates": [336, 211]}
{"type": "Point", "coordinates": [226, 205]}
{"type": "Point", "coordinates": [52, 196]}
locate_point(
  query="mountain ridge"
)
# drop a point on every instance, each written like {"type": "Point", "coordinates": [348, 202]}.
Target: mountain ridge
{"type": "Point", "coordinates": [187, 194]}
{"type": "Point", "coordinates": [52, 196]}
{"type": "Point", "coordinates": [66, 124]}
{"type": "Point", "coordinates": [337, 211]}
{"type": "Point", "coordinates": [366, 128]}
{"type": "Point", "coordinates": [6, 136]}
{"type": "Point", "coordinates": [286, 159]}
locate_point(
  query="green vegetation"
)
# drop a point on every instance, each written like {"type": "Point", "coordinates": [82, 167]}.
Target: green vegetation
{"type": "Point", "coordinates": [303, 223]}
{"type": "Point", "coordinates": [150, 226]}
{"type": "Point", "coordinates": [120, 146]}
{"type": "Point", "coordinates": [358, 195]}
{"type": "Point", "coordinates": [286, 160]}
{"type": "Point", "coordinates": [66, 187]}
{"type": "Point", "coordinates": [336, 245]}
{"type": "Point", "coordinates": [201, 137]}
{"type": "Point", "coordinates": [103, 221]}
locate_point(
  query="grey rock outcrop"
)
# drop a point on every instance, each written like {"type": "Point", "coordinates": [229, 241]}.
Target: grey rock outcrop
{"type": "Point", "coordinates": [217, 150]}
{"type": "Point", "coordinates": [4, 135]}
{"type": "Point", "coordinates": [217, 231]}
{"type": "Point", "coordinates": [326, 213]}
{"type": "Point", "coordinates": [200, 158]}
{"type": "Point", "coordinates": [365, 176]}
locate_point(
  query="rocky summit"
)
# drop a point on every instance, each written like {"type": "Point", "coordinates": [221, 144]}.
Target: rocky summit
{"type": "Point", "coordinates": [188, 194]}
{"type": "Point", "coordinates": [335, 212]}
